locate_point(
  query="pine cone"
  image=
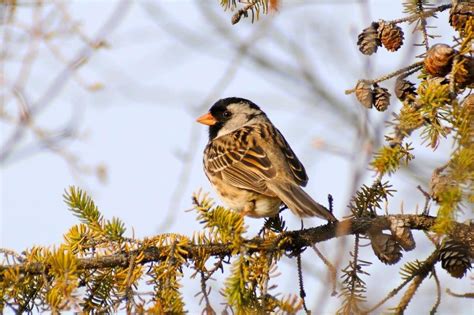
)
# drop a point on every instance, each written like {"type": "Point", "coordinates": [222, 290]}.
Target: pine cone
{"type": "Point", "coordinates": [391, 36]}
{"type": "Point", "coordinates": [468, 108]}
{"type": "Point", "coordinates": [368, 41]}
{"type": "Point", "coordinates": [454, 256]}
{"type": "Point", "coordinates": [404, 89]}
{"type": "Point", "coordinates": [439, 59]}
{"type": "Point", "coordinates": [381, 98]}
{"type": "Point", "coordinates": [460, 13]}
{"type": "Point", "coordinates": [402, 234]}
{"type": "Point", "coordinates": [468, 103]}
{"type": "Point", "coordinates": [385, 248]}
{"type": "Point", "coordinates": [438, 184]}
{"type": "Point", "coordinates": [465, 76]}
{"type": "Point", "coordinates": [364, 94]}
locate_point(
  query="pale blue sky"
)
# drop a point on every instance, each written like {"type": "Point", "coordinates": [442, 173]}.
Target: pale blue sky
{"type": "Point", "coordinates": [140, 124]}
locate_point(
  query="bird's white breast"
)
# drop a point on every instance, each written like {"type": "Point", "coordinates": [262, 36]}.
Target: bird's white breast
{"type": "Point", "coordinates": [251, 203]}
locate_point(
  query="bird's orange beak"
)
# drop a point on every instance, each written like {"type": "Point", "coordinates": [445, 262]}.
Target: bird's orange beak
{"type": "Point", "coordinates": [207, 119]}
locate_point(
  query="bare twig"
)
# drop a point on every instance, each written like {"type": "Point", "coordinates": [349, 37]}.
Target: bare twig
{"type": "Point", "coordinates": [300, 282]}
{"type": "Point", "coordinates": [434, 309]}
{"type": "Point", "coordinates": [426, 209]}
{"type": "Point", "coordinates": [331, 268]}
{"type": "Point", "coordinates": [469, 295]}
{"type": "Point", "coordinates": [8, 252]}
{"type": "Point", "coordinates": [205, 293]}
{"type": "Point", "coordinates": [62, 78]}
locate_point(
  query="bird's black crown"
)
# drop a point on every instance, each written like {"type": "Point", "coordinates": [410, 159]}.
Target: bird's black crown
{"type": "Point", "coordinates": [220, 113]}
{"type": "Point", "coordinates": [221, 105]}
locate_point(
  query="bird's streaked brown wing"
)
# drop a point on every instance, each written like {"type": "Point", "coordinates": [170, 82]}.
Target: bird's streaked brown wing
{"type": "Point", "coordinates": [296, 168]}
{"type": "Point", "coordinates": [238, 160]}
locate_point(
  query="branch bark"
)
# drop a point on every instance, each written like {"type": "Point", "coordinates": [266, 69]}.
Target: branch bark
{"type": "Point", "coordinates": [290, 241]}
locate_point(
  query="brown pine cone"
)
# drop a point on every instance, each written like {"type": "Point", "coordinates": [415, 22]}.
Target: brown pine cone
{"type": "Point", "coordinates": [465, 76]}
{"type": "Point", "coordinates": [391, 36]}
{"type": "Point", "coordinates": [460, 14]}
{"type": "Point", "coordinates": [368, 41]}
{"type": "Point", "coordinates": [385, 248]}
{"type": "Point", "coordinates": [439, 183]}
{"type": "Point", "coordinates": [468, 103]}
{"type": "Point", "coordinates": [468, 110]}
{"type": "Point", "coordinates": [364, 94]}
{"type": "Point", "coordinates": [402, 234]}
{"type": "Point", "coordinates": [381, 98]}
{"type": "Point", "coordinates": [454, 256]}
{"type": "Point", "coordinates": [439, 59]}
{"type": "Point", "coordinates": [404, 89]}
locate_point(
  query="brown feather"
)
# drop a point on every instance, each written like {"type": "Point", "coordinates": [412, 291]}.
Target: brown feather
{"type": "Point", "coordinates": [299, 201]}
{"type": "Point", "coordinates": [296, 167]}
{"type": "Point", "coordinates": [242, 165]}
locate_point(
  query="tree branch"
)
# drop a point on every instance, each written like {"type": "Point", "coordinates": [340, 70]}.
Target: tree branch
{"type": "Point", "coordinates": [289, 241]}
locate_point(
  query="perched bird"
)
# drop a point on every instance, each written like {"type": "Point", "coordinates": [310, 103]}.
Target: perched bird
{"type": "Point", "coordinates": [250, 164]}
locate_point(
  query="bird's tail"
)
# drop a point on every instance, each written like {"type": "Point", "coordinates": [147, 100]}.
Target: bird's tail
{"type": "Point", "coordinates": [300, 202]}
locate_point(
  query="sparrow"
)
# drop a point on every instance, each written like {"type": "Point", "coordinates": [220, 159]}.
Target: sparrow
{"type": "Point", "coordinates": [250, 164]}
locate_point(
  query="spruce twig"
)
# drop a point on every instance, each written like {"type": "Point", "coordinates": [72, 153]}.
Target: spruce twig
{"type": "Point", "coordinates": [286, 241]}
{"type": "Point", "coordinates": [424, 14]}
{"type": "Point", "coordinates": [425, 267]}
{"type": "Point", "coordinates": [411, 68]}
{"type": "Point", "coordinates": [423, 23]}
{"type": "Point", "coordinates": [418, 277]}
{"type": "Point", "coordinates": [205, 293]}
{"type": "Point", "coordinates": [300, 283]}
{"type": "Point", "coordinates": [469, 295]}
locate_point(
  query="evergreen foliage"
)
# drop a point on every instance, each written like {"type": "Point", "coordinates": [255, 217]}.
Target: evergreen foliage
{"type": "Point", "coordinates": [99, 269]}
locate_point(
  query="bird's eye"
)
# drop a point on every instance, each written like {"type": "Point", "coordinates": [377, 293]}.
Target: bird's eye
{"type": "Point", "coordinates": [227, 114]}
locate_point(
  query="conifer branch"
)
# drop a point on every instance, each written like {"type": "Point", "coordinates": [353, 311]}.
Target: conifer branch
{"type": "Point", "coordinates": [408, 69]}
{"type": "Point", "coordinates": [289, 241]}
{"type": "Point", "coordinates": [425, 268]}
{"type": "Point", "coordinates": [422, 23]}
{"type": "Point", "coordinates": [417, 274]}
{"type": "Point", "coordinates": [424, 14]}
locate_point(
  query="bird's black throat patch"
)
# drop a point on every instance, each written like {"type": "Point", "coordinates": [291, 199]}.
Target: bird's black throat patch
{"type": "Point", "coordinates": [214, 130]}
